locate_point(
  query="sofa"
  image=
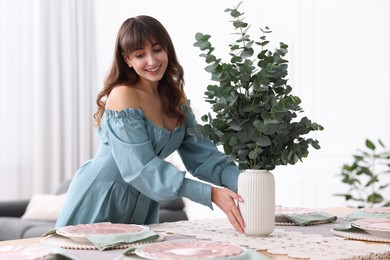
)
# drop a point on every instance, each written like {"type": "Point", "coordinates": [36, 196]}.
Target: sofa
{"type": "Point", "coordinates": [14, 226]}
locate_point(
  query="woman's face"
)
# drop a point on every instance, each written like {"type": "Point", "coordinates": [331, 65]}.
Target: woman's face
{"type": "Point", "coordinates": [150, 62]}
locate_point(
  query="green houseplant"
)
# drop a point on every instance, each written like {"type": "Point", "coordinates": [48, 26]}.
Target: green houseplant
{"type": "Point", "coordinates": [255, 116]}
{"type": "Point", "coordinates": [364, 176]}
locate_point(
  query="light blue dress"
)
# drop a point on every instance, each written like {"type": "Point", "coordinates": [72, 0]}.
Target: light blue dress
{"type": "Point", "coordinates": [128, 176]}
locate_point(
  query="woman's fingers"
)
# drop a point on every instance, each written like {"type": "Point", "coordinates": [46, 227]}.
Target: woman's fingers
{"type": "Point", "coordinates": [235, 222]}
{"type": "Point", "coordinates": [225, 200]}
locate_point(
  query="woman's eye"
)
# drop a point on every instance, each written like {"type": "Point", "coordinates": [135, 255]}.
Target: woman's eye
{"type": "Point", "coordinates": [157, 50]}
{"type": "Point", "coordinates": [139, 56]}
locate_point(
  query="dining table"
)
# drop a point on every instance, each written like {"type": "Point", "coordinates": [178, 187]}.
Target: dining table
{"type": "Point", "coordinates": [288, 240]}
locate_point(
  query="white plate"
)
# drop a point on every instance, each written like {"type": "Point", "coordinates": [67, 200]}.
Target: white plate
{"type": "Point", "coordinates": [379, 227]}
{"type": "Point", "coordinates": [382, 210]}
{"type": "Point", "coordinates": [80, 232]}
{"type": "Point", "coordinates": [188, 249]}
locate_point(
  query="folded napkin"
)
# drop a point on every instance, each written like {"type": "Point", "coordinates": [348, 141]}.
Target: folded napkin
{"type": "Point", "coordinates": [308, 219]}
{"type": "Point", "coordinates": [348, 228]}
{"type": "Point", "coordinates": [247, 254]}
{"type": "Point", "coordinates": [103, 242]}
{"type": "Point", "coordinates": [361, 213]}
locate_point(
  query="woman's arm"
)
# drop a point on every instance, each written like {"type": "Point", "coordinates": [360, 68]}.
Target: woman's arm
{"type": "Point", "coordinates": [204, 161]}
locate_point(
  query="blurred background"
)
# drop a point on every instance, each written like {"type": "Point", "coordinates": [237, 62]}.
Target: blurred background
{"type": "Point", "coordinates": [54, 55]}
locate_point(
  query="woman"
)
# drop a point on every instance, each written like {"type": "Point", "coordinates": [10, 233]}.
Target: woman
{"type": "Point", "coordinates": [143, 116]}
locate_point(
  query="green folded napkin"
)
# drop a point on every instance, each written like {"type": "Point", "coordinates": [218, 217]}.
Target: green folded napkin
{"type": "Point", "coordinates": [307, 219]}
{"type": "Point", "coordinates": [103, 242]}
{"type": "Point", "coordinates": [247, 254]}
{"type": "Point", "coordinates": [347, 227]}
{"type": "Point", "coordinates": [361, 213]}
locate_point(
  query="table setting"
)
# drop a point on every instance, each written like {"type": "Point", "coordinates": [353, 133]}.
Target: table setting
{"type": "Point", "coordinates": [286, 216]}
{"type": "Point", "coordinates": [140, 241]}
{"type": "Point", "coordinates": [101, 236]}
{"type": "Point", "coordinates": [299, 233]}
{"type": "Point", "coordinates": [367, 224]}
{"type": "Point", "coordinates": [123, 241]}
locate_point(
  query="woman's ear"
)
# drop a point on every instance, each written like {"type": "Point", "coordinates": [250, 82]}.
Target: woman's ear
{"type": "Point", "coordinates": [127, 60]}
{"type": "Point", "coordinates": [128, 63]}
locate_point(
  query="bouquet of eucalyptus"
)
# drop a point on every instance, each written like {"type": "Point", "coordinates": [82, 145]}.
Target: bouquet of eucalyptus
{"type": "Point", "coordinates": [255, 114]}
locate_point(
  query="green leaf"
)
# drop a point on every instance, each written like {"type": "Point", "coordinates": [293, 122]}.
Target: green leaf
{"type": "Point", "coordinates": [235, 125]}
{"type": "Point", "coordinates": [381, 143]}
{"type": "Point", "coordinates": [246, 52]}
{"type": "Point", "coordinates": [202, 37]}
{"type": "Point", "coordinates": [205, 118]}
{"type": "Point", "coordinates": [210, 58]}
{"type": "Point", "coordinates": [347, 196]}
{"type": "Point", "coordinates": [252, 155]}
{"type": "Point", "coordinates": [315, 145]}
{"type": "Point", "coordinates": [370, 144]}
{"type": "Point", "coordinates": [372, 180]}
{"type": "Point", "coordinates": [375, 198]}
{"type": "Point", "coordinates": [264, 141]}
{"type": "Point", "coordinates": [239, 24]}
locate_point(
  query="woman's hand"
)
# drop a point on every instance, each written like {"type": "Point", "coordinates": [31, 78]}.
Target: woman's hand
{"type": "Point", "coordinates": [226, 199]}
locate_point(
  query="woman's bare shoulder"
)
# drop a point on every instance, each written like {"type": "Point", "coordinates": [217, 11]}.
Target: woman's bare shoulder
{"type": "Point", "coordinates": [122, 97]}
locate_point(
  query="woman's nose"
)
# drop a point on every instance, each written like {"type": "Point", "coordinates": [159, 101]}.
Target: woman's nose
{"type": "Point", "coordinates": [151, 59]}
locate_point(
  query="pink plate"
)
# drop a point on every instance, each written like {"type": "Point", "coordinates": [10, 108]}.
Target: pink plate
{"type": "Point", "coordinates": [374, 226]}
{"type": "Point", "coordinates": [383, 210]}
{"type": "Point", "coordinates": [80, 232]}
{"type": "Point", "coordinates": [188, 249]}
{"type": "Point", "coordinates": [293, 210]}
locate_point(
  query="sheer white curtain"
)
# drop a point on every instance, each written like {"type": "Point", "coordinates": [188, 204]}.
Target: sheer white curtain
{"type": "Point", "coordinates": [48, 84]}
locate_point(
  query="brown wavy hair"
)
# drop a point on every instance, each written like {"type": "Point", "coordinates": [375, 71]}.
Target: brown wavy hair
{"type": "Point", "coordinates": [132, 35]}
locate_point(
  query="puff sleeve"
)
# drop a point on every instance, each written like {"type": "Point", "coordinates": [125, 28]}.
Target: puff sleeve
{"type": "Point", "coordinates": [204, 161]}
{"type": "Point", "coordinates": [139, 166]}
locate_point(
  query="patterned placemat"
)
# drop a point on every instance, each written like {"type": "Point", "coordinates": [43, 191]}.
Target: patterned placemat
{"type": "Point", "coordinates": [67, 243]}
{"type": "Point", "coordinates": [290, 243]}
{"type": "Point", "coordinates": [359, 236]}
{"type": "Point", "coordinates": [287, 223]}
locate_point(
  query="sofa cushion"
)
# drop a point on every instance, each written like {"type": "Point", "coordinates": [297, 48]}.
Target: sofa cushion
{"type": "Point", "coordinates": [14, 228]}
{"type": "Point", "coordinates": [172, 215]}
{"type": "Point", "coordinates": [38, 230]}
{"type": "Point", "coordinates": [44, 207]}
{"type": "Point", "coordinates": [13, 208]}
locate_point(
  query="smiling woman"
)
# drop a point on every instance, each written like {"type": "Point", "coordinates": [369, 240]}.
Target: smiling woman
{"type": "Point", "coordinates": [143, 116]}
{"type": "Point", "coordinates": [52, 64]}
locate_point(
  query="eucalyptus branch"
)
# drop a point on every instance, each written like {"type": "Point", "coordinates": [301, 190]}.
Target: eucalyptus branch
{"type": "Point", "coordinates": [266, 99]}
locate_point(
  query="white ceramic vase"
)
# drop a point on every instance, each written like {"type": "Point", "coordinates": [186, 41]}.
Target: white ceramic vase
{"type": "Point", "coordinates": [257, 188]}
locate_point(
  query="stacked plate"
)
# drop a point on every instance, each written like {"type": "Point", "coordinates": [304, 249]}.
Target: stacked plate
{"type": "Point", "coordinates": [376, 226]}
{"type": "Point", "coordinates": [80, 233]}
{"type": "Point", "coordinates": [188, 249]}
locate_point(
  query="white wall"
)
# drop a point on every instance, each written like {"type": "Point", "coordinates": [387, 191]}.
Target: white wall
{"type": "Point", "coordinates": [339, 66]}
